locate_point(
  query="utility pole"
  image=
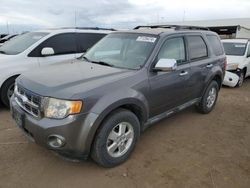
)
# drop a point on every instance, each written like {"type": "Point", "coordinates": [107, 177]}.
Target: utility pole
{"type": "Point", "coordinates": [7, 25]}
{"type": "Point", "coordinates": [184, 14]}
{"type": "Point", "coordinates": [75, 18]}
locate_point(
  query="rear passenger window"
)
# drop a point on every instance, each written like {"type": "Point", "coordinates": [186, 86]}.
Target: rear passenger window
{"type": "Point", "coordinates": [173, 49]}
{"type": "Point", "coordinates": [87, 40]}
{"type": "Point", "coordinates": [215, 43]}
{"type": "Point", "coordinates": [197, 47]}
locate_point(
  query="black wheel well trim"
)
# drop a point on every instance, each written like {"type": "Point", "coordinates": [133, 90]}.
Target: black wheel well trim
{"type": "Point", "coordinates": [216, 77]}
{"type": "Point", "coordinates": [245, 70]}
{"type": "Point", "coordinates": [14, 76]}
{"type": "Point", "coordinates": [133, 107]}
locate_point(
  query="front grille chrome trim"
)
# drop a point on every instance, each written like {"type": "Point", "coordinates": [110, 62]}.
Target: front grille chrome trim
{"type": "Point", "coordinates": [25, 99]}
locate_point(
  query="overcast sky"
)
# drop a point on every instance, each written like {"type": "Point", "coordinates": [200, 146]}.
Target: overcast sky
{"type": "Point", "coordinates": [21, 15]}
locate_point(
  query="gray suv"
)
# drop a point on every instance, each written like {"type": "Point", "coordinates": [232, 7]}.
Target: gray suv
{"type": "Point", "coordinates": [99, 105]}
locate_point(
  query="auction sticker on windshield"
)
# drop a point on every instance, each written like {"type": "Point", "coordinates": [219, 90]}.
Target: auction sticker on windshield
{"type": "Point", "coordinates": [240, 46]}
{"type": "Point", "coordinates": [146, 39]}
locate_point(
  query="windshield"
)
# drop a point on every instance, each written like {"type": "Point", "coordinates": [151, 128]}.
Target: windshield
{"type": "Point", "coordinates": [237, 49]}
{"type": "Point", "coordinates": [21, 43]}
{"type": "Point", "coordinates": [125, 50]}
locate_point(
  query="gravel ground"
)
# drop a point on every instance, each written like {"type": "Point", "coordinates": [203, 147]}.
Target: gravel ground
{"type": "Point", "coordinates": [186, 150]}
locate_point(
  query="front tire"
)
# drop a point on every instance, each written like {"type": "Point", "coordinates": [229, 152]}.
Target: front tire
{"type": "Point", "coordinates": [209, 98]}
{"type": "Point", "coordinates": [7, 90]}
{"type": "Point", "coordinates": [241, 78]}
{"type": "Point", "coordinates": [116, 138]}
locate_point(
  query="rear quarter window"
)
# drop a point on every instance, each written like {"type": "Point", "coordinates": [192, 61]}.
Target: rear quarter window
{"type": "Point", "coordinates": [197, 47]}
{"type": "Point", "coordinates": [215, 44]}
{"type": "Point", "coordinates": [87, 40]}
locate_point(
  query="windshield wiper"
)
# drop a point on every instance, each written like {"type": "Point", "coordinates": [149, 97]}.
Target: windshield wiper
{"type": "Point", "coordinates": [2, 52]}
{"type": "Point", "coordinates": [97, 62]}
{"type": "Point", "coordinates": [84, 57]}
{"type": "Point", "coordinates": [102, 63]}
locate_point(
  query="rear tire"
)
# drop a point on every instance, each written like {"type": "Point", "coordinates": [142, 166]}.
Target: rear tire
{"type": "Point", "coordinates": [116, 138]}
{"type": "Point", "coordinates": [209, 98]}
{"type": "Point", "coordinates": [7, 90]}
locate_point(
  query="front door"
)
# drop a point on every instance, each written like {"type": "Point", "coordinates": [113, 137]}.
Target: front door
{"type": "Point", "coordinates": [170, 89]}
{"type": "Point", "coordinates": [64, 46]}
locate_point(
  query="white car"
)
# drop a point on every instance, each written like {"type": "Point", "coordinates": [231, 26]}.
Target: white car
{"type": "Point", "coordinates": [238, 61]}
{"type": "Point", "coordinates": [42, 48]}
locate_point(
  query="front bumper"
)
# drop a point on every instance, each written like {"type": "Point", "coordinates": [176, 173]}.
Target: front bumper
{"type": "Point", "coordinates": [74, 129]}
{"type": "Point", "coordinates": [230, 79]}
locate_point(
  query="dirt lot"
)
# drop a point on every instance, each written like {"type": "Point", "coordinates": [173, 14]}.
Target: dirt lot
{"type": "Point", "coordinates": [186, 150]}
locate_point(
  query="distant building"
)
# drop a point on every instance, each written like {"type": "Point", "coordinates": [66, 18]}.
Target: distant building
{"type": "Point", "coordinates": [226, 28]}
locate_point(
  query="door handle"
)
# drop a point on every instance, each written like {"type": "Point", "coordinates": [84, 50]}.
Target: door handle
{"type": "Point", "coordinates": [183, 73]}
{"type": "Point", "coordinates": [209, 65]}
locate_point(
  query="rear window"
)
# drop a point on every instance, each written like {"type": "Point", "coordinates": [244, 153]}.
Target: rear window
{"type": "Point", "coordinates": [237, 49]}
{"type": "Point", "coordinates": [197, 47]}
{"type": "Point", "coordinates": [215, 44]}
{"type": "Point", "coordinates": [21, 43]}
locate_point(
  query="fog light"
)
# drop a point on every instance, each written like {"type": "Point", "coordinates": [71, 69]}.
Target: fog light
{"type": "Point", "coordinates": [56, 141]}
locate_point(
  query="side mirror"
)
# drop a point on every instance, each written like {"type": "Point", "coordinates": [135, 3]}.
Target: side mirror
{"type": "Point", "coordinates": [47, 51]}
{"type": "Point", "coordinates": [166, 65]}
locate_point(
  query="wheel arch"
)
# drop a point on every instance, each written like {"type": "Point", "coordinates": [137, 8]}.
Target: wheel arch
{"type": "Point", "coordinates": [245, 71]}
{"type": "Point", "coordinates": [11, 77]}
{"type": "Point", "coordinates": [8, 78]}
{"type": "Point", "coordinates": [132, 105]}
{"type": "Point", "coordinates": [218, 79]}
{"type": "Point", "coordinates": [217, 76]}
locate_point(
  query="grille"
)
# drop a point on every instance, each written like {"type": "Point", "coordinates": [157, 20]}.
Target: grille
{"type": "Point", "coordinates": [28, 101]}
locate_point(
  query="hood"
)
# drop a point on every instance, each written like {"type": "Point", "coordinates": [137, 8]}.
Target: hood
{"type": "Point", "coordinates": [234, 59]}
{"type": "Point", "coordinates": [63, 81]}
{"type": "Point", "coordinates": [6, 60]}
{"type": "Point", "coordinates": [4, 57]}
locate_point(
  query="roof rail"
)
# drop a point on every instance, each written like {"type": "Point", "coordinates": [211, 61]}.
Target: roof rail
{"type": "Point", "coordinates": [248, 39]}
{"type": "Point", "coordinates": [90, 28]}
{"type": "Point", "coordinates": [176, 27]}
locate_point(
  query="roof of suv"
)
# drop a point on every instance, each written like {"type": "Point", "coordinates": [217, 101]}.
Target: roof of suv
{"type": "Point", "coordinates": [77, 29]}
{"type": "Point", "coordinates": [166, 29]}
{"type": "Point", "coordinates": [236, 40]}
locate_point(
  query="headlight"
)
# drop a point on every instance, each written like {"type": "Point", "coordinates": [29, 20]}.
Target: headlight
{"type": "Point", "coordinates": [232, 66]}
{"type": "Point", "coordinates": [59, 109]}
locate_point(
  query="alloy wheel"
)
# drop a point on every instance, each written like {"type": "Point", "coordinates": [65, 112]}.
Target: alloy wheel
{"type": "Point", "coordinates": [120, 139]}
{"type": "Point", "coordinates": [211, 97]}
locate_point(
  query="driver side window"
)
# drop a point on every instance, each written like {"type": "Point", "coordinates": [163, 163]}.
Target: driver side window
{"type": "Point", "coordinates": [173, 48]}
{"type": "Point", "coordinates": [62, 44]}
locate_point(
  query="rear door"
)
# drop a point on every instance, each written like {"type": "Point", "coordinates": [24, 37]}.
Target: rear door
{"type": "Point", "coordinates": [64, 46]}
{"type": "Point", "coordinates": [170, 89]}
{"type": "Point", "coordinates": [200, 63]}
